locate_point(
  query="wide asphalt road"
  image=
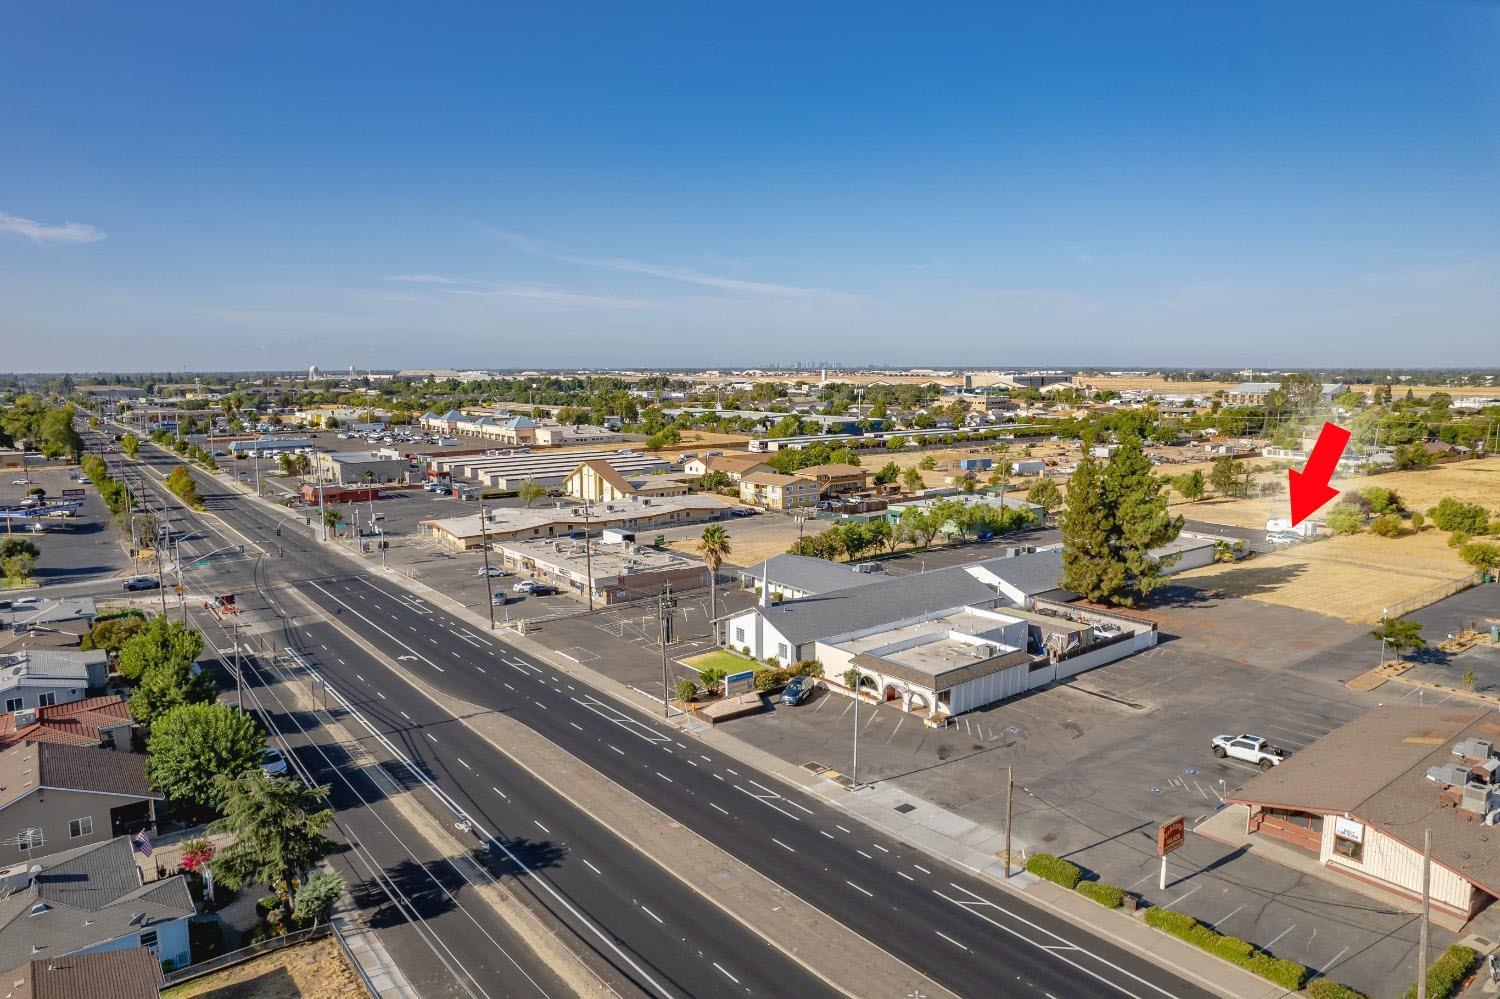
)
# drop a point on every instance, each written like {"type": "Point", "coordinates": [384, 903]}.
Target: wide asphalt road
{"type": "Point", "coordinates": [960, 930]}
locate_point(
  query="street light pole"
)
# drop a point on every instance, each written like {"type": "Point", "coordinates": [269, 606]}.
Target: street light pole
{"type": "Point", "coordinates": [1422, 944]}
{"type": "Point", "coordinates": [664, 610]}
{"type": "Point", "coordinates": [588, 556]}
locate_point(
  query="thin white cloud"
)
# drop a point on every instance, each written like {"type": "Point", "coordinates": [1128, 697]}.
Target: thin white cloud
{"type": "Point", "coordinates": [69, 233]}
{"type": "Point", "coordinates": [427, 279]}
{"type": "Point", "coordinates": [686, 275]}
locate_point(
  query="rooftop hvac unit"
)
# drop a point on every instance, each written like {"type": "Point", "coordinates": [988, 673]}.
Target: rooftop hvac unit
{"type": "Point", "coordinates": [1449, 774]}
{"type": "Point", "coordinates": [1493, 817]}
{"type": "Point", "coordinates": [1489, 768]}
{"type": "Point", "coordinates": [1474, 749]}
{"type": "Point", "coordinates": [1476, 799]}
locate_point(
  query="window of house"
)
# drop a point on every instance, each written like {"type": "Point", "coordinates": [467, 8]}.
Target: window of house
{"type": "Point", "coordinates": [81, 827]}
{"type": "Point", "coordinates": [29, 839]}
{"type": "Point", "coordinates": [148, 940]}
{"type": "Point", "coordinates": [739, 635]}
{"type": "Point", "coordinates": [13, 704]}
{"type": "Point", "coordinates": [1348, 848]}
{"type": "Point", "coordinates": [46, 698]}
{"type": "Point", "coordinates": [1349, 838]}
{"type": "Point", "coordinates": [783, 651]}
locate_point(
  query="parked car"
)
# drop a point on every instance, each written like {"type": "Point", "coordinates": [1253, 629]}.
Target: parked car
{"type": "Point", "coordinates": [491, 570]}
{"type": "Point", "coordinates": [741, 511]}
{"type": "Point", "coordinates": [1252, 749]}
{"type": "Point", "coordinates": [1282, 539]}
{"type": "Point", "coordinates": [84, 480]}
{"type": "Point", "coordinates": [141, 583]}
{"type": "Point", "coordinates": [524, 586]}
{"type": "Point", "coordinates": [26, 601]}
{"type": "Point", "coordinates": [499, 598]}
{"type": "Point", "coordinates": [543, 590]}
{"type": "Point", "coordinates": [797, 690]}
{"type": "Point", "coordinates": [272, 762]}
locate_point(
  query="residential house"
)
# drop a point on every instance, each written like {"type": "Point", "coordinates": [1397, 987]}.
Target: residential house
{"type": "Point", "coordinates": [77, 612]}
{"type": "Point", "coordinates": [128, 973]}
{"type": "Point", "coordinates": [835, 479]}
{"type": "Point", "coordinates": [597, 481]}
{"type": "Point", "coordinates": [790, 577]}
{"type": "Point", "coordinates": [55, 795]}
{"type": "Point", "coordinates": [99, 722]}
{"type": "Point", "coordinates": [34, 678]}
{"type": "Point", "coordinates": [735, 464]}
{"type": "Point", "coordinates": [89, 900]}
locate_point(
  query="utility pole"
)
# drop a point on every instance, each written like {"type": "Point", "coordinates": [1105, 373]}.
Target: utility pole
{"type": "Point", "coordinates": [1426, 912]}
{"type": "Point", "coordinates": [665, 606]}
{"type": "Point", "coordinates": [854, 762]}
{"type": "Point", "coordinates": [588, 556]}
{"type": "Point", "coordinates": [322, 505]}
{"type": "Point", "coordinates": [484, 543]}
{"type": "Point", "coordinates": [181, 593]}
{"type": "Point", "coordinates": [1010, 794]}
{"type": "Point", "coordinates": [161, 537]}
{"type": "Point", "coordinates": [239, 674]}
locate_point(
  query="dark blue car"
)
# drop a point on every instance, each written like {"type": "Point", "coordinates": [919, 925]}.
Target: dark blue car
{"type": "Point", "coordinates": [797, 690]}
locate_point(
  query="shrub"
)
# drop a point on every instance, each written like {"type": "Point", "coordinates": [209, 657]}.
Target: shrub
{"type": "Point", "coordinates": [1480, 554]}
{"type": "Point", "coordinates": [1387, 526]}
{"type": "Point", "coordinates": [806, 667]}
{"type": "Point", "coordinates": [1417, 523]}
{"type": "Point", "coordinates": [685, 690]}
{"type": "Point", "coordinates": [1458, 539]}
{"type": "Point", "coordinates": [1288, 974]}
{"type": "Point", "coordinates": [1452, 515]}
{"type": "Point", "coordinates": [1055, 869]}
{"type": "Point", "coordinates": [1345, 518]}
{"type": "Point", "coordinates": [1381, 500]}
{"type": "Point", "coordinates": [713, 678]}
{"type": "Point", "coordinates": [1327, 988]}
{"type": "Point", "coordinates": [1448, 972]}
{"type": "Point", "coordinates": [1109, 896]}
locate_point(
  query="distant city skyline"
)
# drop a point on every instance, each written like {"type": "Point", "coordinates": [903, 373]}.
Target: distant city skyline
{"type": "Point", "coordinates": [1090, 184]}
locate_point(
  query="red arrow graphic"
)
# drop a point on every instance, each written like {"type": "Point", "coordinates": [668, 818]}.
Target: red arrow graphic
{"type": "Point", "coordinates": [1309, 487]}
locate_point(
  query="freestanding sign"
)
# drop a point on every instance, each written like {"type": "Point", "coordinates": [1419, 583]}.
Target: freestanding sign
{"type": "Point", "coordinates": [1169, 836]}
{"type": "Point", "coordinates": [73, 494]}
{"type": "Point", "coordinates": [739, 683]}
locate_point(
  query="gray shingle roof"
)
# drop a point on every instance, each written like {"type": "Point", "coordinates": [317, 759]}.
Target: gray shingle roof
{"type": "Point", "coordinates": [91, 895]}
{"type": "Point", "coordinates": [28, 765]}
{"type": "Point", "coordinates": [840, 612]}
{"type": "Point", "coordinates": [1031, 573]}
{"type": "Point", "coordinates": [806, 574]}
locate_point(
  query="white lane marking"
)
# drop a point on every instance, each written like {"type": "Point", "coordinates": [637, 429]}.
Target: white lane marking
{"type": "Point", "coordinates": [539, 704]}
{"type": "Point", "coordinates": [406, 716]}
{"type": "Point", "coordinates": [379, 628]}
{"type": "Point", "coordinates": [592, 867]}
{"type": "Point", "coordinates": [782, 845]}
{"type": "Point", "coordinates": [864, 854]}
{"type": "Point", "coordinates": [727, 770]}
{"type": "Point", "coordinates": [576, 725]}
{"type": "Point", "coordinates": [542, 827]}
{"type": "Point", "coordinates": [341, 662]}
{"type": "Point", "coordinates": [506, 797]}
{"type": "Point", "coordinates": [857, 888]}
{"type": "Point", "coordinates": [842, 829]}
{"type": "Point", "coordinates": [725, 973]}
{"type": "Point", "coordinates": [826, 833]}
{"type": "Point", "coordinates": [460, 759]}
{"type": "Point", "coordinates": [1272, 942]}
{"type": "Point", "coordinates": [618, 750]}
{"type": "Point", "coordinates": [360, 678]}
{"type": "Point", "coordinates": [712, 805]}
{"type": "Point", "coordinates": [380, 695]}
{"type": "Point", "coordinates": [906, 876]}
{"type": "Point", "coordinates": [950, 940]}
{"type": "Point", "coordinates": [507, 686]}
{"type": "Point", "coordinates": [768, 804]}
{"type": "Point", "coordinates": [880, 848]}
{"type": "Point", "coordinates": [651, 914]}
{"type": "Point", "coordinates": [431, 736]}
{"type": "Point", "coordinates": [665, 777]}
{"type": "Point", "coordinates": [921, 868]}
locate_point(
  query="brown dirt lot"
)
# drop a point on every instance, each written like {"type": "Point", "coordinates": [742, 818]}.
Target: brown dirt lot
{"type": "Point", "coordinates": [312, 970]}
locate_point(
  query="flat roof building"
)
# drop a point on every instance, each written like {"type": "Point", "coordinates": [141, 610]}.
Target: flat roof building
{"type": "Point", "coordinates": [508, 471]}
{"type": "Point", "coordinates": [615, 571]}
{"type": "Point", "coordinates": [349, 468]}
{"type": "Point", "coordinates": [520, 524]}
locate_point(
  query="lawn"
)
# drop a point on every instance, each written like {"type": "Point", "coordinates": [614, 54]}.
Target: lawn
{"type": "Point", "coordinates": [729, 662]}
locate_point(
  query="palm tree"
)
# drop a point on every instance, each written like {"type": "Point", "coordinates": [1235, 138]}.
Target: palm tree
{"type": "Point", "coordinates": [713, 547]}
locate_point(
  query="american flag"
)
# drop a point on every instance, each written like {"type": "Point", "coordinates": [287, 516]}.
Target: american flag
{"type": "Point", "coordinates": [142, 843]}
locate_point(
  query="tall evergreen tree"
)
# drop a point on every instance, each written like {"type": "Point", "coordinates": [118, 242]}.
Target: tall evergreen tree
{"type": "Point", "coordinates": [1090, 567]}
{"type": "Point", "coordinates": [1135, 500]}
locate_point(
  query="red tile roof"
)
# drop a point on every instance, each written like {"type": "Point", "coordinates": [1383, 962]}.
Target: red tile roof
{"type": "Point", "coordinates": [77, 723]}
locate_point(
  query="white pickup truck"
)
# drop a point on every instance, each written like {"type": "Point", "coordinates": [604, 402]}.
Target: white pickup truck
{"type": "Point", "coordinates": [1251, 748]}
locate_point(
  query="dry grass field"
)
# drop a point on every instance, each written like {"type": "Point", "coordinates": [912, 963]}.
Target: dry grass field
{"type": "Point", "coordinates": [1352, 577]}
{"type": "Point", "coordinates": [312, 970]}
{"type": "Point", "coordinates": [1095, 382]}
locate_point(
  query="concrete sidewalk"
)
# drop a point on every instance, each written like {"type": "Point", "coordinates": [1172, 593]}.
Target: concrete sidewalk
{"type": "Point", "coordinates": [380, 973]}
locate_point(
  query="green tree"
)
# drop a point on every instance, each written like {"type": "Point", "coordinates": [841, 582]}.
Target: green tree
{"type": "Point", "coordinates": [921, 525]}
{"type": "Point", "coordinates": [1090, 566]}
{"type": "Point", "coordinates": [888, 473]}
{"type": "Point", "coordinates": [1481, 555]}
{"type": "Point", "coordinates": [180, 481]}
{"type": "Point", "coordinates": [111, 634]}
{"type": "Point", "coordinates": [168, 685]}
{"type": "Point", "coordinates": [319, 893]}
{"type": "Point", "coordinates": [1225, 476]}
{"type": "Point", "coordinates": [1191, 486]}
{"type": "Point", "coordinates": [277, 827]}
{"type": "Point", "coordinates": [911, 479]}
{"type": "Point", "coordinates": [928, 463]}
{"type": "Point", "coordinates": [18, 568]}
{"type": "Point", "coordinates": [130, 444]}
{"type": "Point", "coordinates": [531, 491]}
{"type": "Point", "coordinates": [192, 744]}
{"type": "Point", "coordinates": [1400, 635]}
{"type": "Point", "coordinates": [160, 642]}
{"type": "Point", "coordinates": [1345, 518]}
{"type": "Point", "coordinates": [1454, 515]}
{"type": "Point", "coordinates": [714, 546]}
{"type": "Point", "coordinates": [1140, 519]}
{"type": "Point", "coordinates": [1046, 495]}
{"type": "Point", "coordinates": [685, 690]}
{"type": "Point", "coordinates": [58, 436]}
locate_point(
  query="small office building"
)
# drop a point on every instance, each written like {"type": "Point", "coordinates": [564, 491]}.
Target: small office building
{"type": "Point", "coordinates": [615, 569]}
{"type": "Point", "coordinates": [775, 491]}
{"type": "Point", "coordinates": [353, 468]}
{"type": "Point", "coordinates": [574, 517]}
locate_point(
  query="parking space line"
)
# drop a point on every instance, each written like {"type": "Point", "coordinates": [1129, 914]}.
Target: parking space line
{"type": "Point", "coordinates": [1272, 942]}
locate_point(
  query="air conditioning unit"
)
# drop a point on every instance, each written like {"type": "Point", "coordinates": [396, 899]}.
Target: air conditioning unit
{"type": "Point", "coordinates": [1476, 799]}
{"type": "Point", "coordinates": [1449, 774]}
{"type": "Point", "coordinates": [1493, 817]}
{"type": "Point", "coordinates": [1474, 749]}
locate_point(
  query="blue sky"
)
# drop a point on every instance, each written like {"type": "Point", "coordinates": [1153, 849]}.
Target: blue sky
{"type": "Point", "coordinates": [267, 185]}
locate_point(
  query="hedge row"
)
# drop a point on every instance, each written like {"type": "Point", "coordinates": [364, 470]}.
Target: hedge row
{"type": "Point", "coordinates": [1327, 988]}
{"type": "Point", "coordinates": [1109, 896]}
{"type": "Point", "coordinates": [1287, 974]}
{"type": "Point", "coordinates": [1448, 972]}
{"type": "Point", "coordinates": [1055, 869]}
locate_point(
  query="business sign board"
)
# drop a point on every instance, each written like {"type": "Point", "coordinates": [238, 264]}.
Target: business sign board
{"type": "Point", "coordinates": [1170, 835]}
{"type": "Point", "coordinates": [73, 494]}
{"type": "Point", "coordinates": [739, 683]}
{"type": "Point", "coordinates": [1347, 829]}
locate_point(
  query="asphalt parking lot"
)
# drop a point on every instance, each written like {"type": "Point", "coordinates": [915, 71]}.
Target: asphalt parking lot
{"type": "Point", "coordinates": [81, 549]}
